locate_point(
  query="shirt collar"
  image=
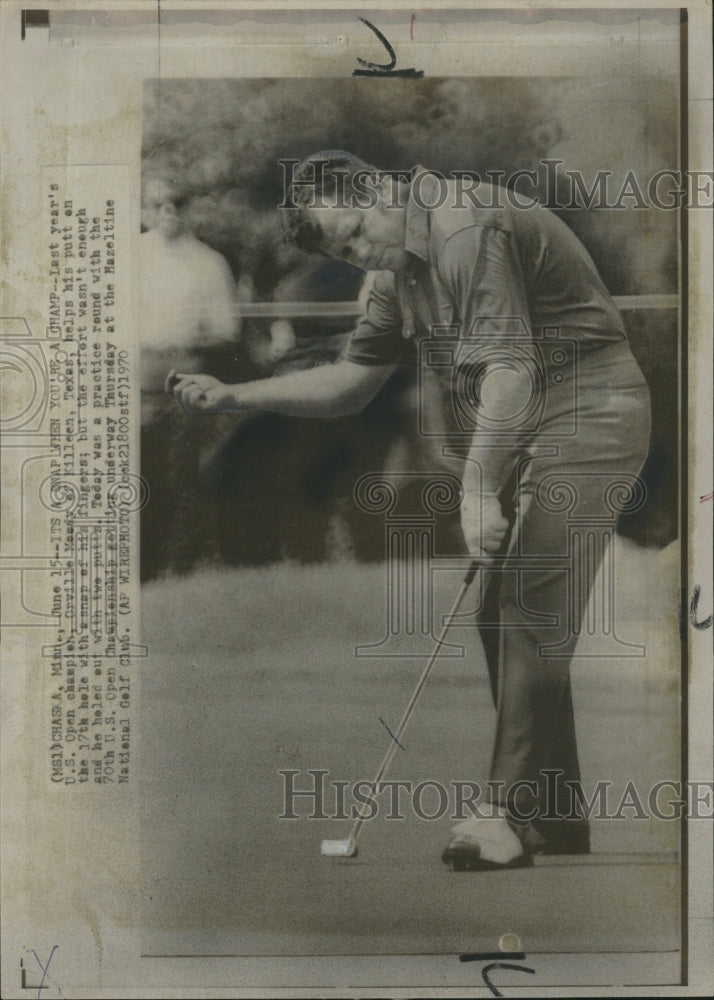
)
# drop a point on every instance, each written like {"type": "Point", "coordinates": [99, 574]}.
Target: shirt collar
{"type": "Point", "coordinates": [417, 235]}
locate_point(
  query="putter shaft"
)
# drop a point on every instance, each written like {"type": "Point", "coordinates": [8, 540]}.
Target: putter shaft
{"type": "Point", "coordinates": [409, 710]}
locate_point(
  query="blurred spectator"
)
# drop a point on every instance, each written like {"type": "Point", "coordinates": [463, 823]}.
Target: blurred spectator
{"type": "Point", "coordinates": [187, 295]}
{"type": "Point", "coordinates": [187, 315]}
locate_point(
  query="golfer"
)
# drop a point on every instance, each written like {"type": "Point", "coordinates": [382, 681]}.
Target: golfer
{"type": "Point", "coordinates": [550, 411]}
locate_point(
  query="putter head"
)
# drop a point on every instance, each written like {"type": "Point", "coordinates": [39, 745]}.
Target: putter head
{"type": "Point", "coordinates": [338, 848]}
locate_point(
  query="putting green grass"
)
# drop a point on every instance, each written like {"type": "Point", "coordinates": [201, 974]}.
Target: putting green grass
{"type": "Point", "coordinates": [253, 671]}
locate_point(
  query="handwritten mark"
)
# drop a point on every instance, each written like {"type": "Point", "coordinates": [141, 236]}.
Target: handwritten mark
{"type": "Point", "coordinates": [391, 733]}
{"type": "Point", "coordinates": [490, 956]}
{"type": "Point", "coordinates": [501, 965]}
{"type": "Point", "coordinates": [44, 968]}
{"type": "Point", "coordinates": [411, 27]}
{"type": "Point", "coordinates": [383, 69]}
{"type": "Point", "coordinates": [694, 621]}
{"type": "Point", "coordinates": [706, 496]}
{"type": "Point", "coordinates": [494, 960]}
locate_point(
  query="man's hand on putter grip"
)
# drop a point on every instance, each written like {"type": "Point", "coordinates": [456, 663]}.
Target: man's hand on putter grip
{"type": "Point", "coordinates": [483, 524]}
{"type": "Point", "coordinates": [200, 393]}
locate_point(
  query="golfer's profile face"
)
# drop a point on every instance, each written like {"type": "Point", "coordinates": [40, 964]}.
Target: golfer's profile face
{"type": "Point", "coordinates": [369, 238]}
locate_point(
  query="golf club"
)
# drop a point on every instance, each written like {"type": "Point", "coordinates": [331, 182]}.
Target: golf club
{"type": "Point", "coordinates": [348, 848]}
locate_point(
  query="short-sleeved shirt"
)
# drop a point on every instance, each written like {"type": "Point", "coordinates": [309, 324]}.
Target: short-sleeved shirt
{"type": "Point", "coordinates": [488, 270]}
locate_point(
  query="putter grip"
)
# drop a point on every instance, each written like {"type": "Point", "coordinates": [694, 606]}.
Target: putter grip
{"type": "Point", "coordinates": [471, 573]}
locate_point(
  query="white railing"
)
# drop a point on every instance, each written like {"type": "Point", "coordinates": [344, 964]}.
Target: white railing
{"type": "Point", "coordinates": [294, 310]}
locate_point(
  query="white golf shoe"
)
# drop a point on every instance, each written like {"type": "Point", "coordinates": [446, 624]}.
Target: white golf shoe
{"type": "Point", "coordinates": [484, 844]}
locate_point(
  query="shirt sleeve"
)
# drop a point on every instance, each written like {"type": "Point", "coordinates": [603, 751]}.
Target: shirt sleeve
{"type": "Point", "coordinates": [485, 289]}
{"type": "Point", "coordinates": [378, 340]}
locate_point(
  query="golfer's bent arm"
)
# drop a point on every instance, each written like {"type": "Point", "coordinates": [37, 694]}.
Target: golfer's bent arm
{"type": "Point", "coordinates": [331, 390]}
{"type": "Point", "coordinates": [489, 463]}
